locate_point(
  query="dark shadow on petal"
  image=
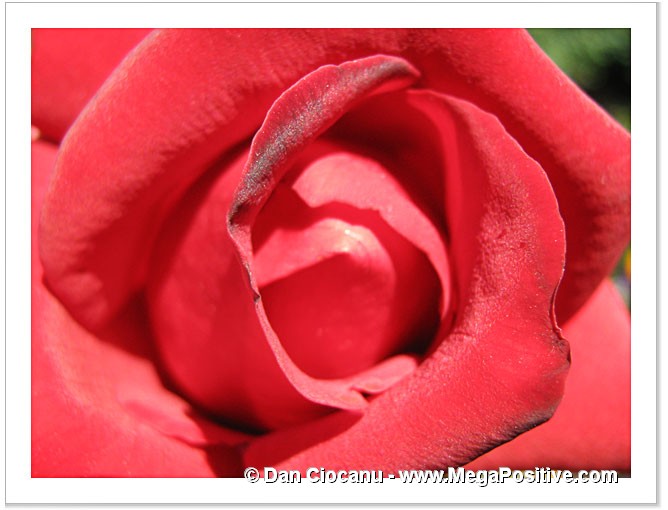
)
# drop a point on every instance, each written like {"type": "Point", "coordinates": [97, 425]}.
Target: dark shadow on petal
{"type": "Point", "coordinates": [279, 446]}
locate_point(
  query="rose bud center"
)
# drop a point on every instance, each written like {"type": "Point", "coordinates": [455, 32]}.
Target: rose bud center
{"type": "Point", "coordinates": [342, 289]}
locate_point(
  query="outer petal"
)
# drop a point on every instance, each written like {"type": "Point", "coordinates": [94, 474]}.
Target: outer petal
{"type": "Point", "coordinates": [591, 429]}
{"type": "Point", "coordinates": [91, 395]}
{"type": "Point", "coordinates": [129, 158]}
{"type": "Point", "coordinates": [500, 371]}
{"type": "Point", "coordinates": [68, 67]}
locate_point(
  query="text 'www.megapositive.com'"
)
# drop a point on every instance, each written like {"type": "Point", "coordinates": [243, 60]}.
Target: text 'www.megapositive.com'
{"type": "Point", "coordinates": [451, 475]}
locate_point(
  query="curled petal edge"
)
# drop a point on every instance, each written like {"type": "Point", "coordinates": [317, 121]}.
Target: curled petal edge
{"type": "Point", "coordinates": [297, 118]}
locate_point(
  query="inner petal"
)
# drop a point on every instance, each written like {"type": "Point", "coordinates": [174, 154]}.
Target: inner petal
{"type": "Point", "coordinates": [342, 288]}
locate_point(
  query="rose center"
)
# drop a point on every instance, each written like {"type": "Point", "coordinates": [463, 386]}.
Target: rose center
{"type": "Point", "coordinates": [342, 288]}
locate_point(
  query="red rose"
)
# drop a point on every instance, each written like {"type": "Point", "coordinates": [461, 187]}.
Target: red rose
{"type": "Point", "coordinates": [335, 248]}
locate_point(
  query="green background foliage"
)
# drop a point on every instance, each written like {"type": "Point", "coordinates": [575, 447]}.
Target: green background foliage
{"type": "Point", "coordinates": [599, 61]}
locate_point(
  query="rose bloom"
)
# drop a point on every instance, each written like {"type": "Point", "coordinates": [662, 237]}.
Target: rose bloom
{"type": "Point", "coordinates": [349, 249]}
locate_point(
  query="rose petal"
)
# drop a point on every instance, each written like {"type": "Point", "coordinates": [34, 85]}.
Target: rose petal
{"type": "Point", "coordinates": [345, 177]}
{"type": "Point", "coordinates": [129, 158]}
{"type": "Point", "coordinates": [591, 428]}
{"type": "Point", "coordinates": [500, 371]}
{"type": "Point", "coordinates": [174, 417]}
{"type": "Point", "coordinates": [298, 117]}
{"type": "Point", "coordinates": [79, 426]}
{"type": "Point", "coordinates": [307, 258]}
{"type": "Point", "coordinates": [68, 67]}
{"type": "Point", "coordinates": [384, 310]}
{"type": "Point", "coordinates": [585, 153]}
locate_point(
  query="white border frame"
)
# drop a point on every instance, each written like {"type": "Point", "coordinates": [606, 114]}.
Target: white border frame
{"type": "Point", "coordinates": [21, 17]}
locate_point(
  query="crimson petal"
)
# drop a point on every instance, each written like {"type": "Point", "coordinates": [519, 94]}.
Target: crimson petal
{"type": "Point", "coordinates": [343, 220]}
{"type": "Point", "coordinates": [345, 177]}
{"type": "Point", "coordinates": [210, 341]}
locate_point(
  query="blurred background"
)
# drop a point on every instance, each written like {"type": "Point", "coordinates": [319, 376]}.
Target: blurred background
{"type": "Point", "coordinates": [599, 61]}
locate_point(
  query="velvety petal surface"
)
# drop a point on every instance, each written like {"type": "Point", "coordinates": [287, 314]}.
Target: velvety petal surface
{"type": "Point", "coordinates": [497, 373]}
{"type": "Point", "coordinates": [98, 406]}
{"type": "Point", "coordinates": [128, 159]}
{"type": "Point", "coordinates": [591, 428]}
{"type": "Point", "coordinates": [68, 67]}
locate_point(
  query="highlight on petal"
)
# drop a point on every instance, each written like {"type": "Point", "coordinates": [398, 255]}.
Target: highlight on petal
{"type": "Point", "coordinates": [307, 258]}
{"type": "Point", "coordinates": [498, 372]}
{"type": "Point", "coordinates": [345, 177]}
